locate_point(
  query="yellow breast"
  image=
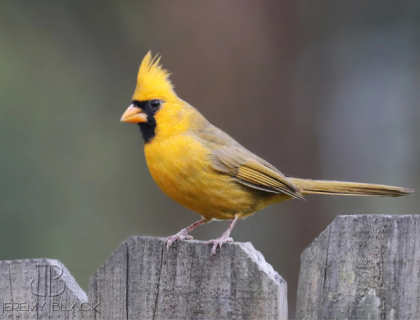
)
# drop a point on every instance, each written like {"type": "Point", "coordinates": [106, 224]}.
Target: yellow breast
{"type": "Point", "coordinates": [182, 168]}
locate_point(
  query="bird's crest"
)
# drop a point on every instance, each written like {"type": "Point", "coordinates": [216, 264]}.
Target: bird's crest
{"type": "Point", "coordinates": [153, 81]}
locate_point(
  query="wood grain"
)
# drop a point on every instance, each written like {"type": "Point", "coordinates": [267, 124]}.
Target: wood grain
{"type": "Point", "coordinates": [143, 280]}
{"type": "Point", "coordinates": [362, 267]}
{"type": "Point", "coordinates": [40, 288]}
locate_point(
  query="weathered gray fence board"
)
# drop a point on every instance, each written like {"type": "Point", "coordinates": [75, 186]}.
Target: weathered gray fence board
{"type": "Point", "coordinates": [362, 267]}
{"type": "Point", "coordinates": [36, 288]}
{"type": "Point", "coordinates": [143, 280]}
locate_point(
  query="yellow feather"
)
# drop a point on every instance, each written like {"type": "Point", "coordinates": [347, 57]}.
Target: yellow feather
{"type": "Point", "coordinates": [153, 81]}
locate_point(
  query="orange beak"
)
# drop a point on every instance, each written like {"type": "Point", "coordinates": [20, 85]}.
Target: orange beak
{"type": "Point", "coordinates": [134, 114]}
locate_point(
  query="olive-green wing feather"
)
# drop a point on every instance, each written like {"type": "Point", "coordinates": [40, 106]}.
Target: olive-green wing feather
{"type": "Point", "coordinates": [229, 157]}
{"type": "Point", "coordinates": [248, 169]}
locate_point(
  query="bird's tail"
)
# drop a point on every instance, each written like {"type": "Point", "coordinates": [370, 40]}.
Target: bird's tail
{"type": "Point", "coordinates": [348, 188]}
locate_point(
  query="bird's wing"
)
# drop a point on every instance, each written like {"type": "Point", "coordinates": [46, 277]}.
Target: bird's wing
{"type": "Point", "coordinates": [229, 157]}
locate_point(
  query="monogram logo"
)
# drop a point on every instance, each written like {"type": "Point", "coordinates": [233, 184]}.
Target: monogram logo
{"type": "Point", "coordinates": [49, 280]}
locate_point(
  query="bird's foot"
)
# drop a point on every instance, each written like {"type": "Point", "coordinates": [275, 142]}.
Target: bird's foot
{"type": "Point", "coordinates": [182, 235]}
{"type": "Point", "coordinates": [218, 242]}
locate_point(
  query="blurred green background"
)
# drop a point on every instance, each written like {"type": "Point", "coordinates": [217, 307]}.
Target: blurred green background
{"type": "Point", "coordinates": [325, 89]}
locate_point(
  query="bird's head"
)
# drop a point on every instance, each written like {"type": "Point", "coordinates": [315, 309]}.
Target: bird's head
{"type": "Point", "coordinates": [155, 105]}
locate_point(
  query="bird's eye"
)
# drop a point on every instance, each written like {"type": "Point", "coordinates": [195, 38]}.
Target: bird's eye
{"type": "Point", "coordinates": [155, 104]}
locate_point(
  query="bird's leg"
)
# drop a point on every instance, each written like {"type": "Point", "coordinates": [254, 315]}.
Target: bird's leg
{"type": "Point", "coordinates": [224, 238]}
{"type": "Point", "coordinates": [183, 234]}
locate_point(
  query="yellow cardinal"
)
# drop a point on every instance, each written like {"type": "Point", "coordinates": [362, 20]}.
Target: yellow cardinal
{"type": "Point", "coordinates": [204, 169]}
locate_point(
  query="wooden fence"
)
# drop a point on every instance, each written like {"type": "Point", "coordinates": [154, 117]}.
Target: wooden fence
{"type": "Point", "coordinates": [360, 267]}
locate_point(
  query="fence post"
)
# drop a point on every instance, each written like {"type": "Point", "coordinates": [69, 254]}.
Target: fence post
{"type": "Point", "coordinates": [362, 267]}
{"type": "Point", "coordinates": [143, 280]}
{"type": "Point", "coordinates": [40, 288]}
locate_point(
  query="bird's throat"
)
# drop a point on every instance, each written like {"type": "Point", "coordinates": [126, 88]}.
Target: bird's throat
{"type": "Point", "coordinates": [148, 130]}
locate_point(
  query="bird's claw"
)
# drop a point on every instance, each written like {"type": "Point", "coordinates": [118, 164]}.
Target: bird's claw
{"type": "Point", "coordinates": [218, 243]}
{"type": "Point", "coordinates": [182, 235]}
